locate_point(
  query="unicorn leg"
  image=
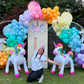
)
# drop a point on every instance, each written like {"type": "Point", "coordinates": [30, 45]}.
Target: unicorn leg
{"type": "Point", "coordinates": [16, 70]}
{"type": "Point", "coordinates": [7, 66]}
{"type": "Point", "coordinates": [59, 68]}
{"type": "Point", "coordinates": [19, 69]}
{"type": "Point", "coordinates": [61, 71]}
{"type": "Point", "coordinates": [25, 67]}
{"type": "Point", "coordinates": [72, 67]}
{"type": "Point", "coordinates": [53, 69]}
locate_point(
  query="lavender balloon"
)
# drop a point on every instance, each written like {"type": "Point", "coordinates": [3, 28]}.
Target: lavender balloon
{"type": "Point", "coordinates": [80, 62]}
{"type": "Point", "coordinates": [25, 18]}
{"type": "Point", "coordinates": [79, 57]}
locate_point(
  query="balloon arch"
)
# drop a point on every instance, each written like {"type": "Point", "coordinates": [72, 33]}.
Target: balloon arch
{"type": "Point", "coordinates": [16, 32]}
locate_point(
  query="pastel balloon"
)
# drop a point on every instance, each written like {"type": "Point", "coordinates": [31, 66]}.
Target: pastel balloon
{"type": "Point", "coordinates": [15, 32]}
{"type": "Point", "coordinates": [83, 65]}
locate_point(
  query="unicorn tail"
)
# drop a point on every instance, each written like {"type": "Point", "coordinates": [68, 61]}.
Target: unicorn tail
{"type": "Point", "coordinates": [70, 54]}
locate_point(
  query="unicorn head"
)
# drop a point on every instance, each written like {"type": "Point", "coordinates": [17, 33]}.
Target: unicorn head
{"type": "Point", "coordinates": [57, 49]}
{"type": "Point", "coordinates": [20, 49]}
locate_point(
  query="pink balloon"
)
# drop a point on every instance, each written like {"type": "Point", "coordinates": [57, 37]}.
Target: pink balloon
{"type": "Point", "coordinates": [83, 65]}
{"type": "Point", "coordinates": [32, 5]}
{"type": "Point", "coordinates": [37, 13]}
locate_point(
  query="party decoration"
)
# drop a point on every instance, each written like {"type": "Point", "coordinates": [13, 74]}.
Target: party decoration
{"type": "Point", "coordinates": [25, 18]}
{"type": "Point", "coordinates": [3, 59]}
{"type": "Point", "coordinates": [15, 33]}
{"type": "Point", "coordinates": [35, 10]}
{"type": "Point", "coordinates": [65, 59]}
{"type": "Point", "coordinates": [79, 57]}
{"type": "Point", "coordinates": [71, 36]}
{"type": "Point", "coordinates": [63, 22]}
{"type": "Point", "coordinates": [7, 49]}
{"type": "Point", "coordinates": [37, 28]}
{"type": "Point", "coordinates": [2, 41]}
{"type": "Point", "coordinates": [61, 50]}
{"type": "Point", "coordinates": [74, 40]}
{"type": "Point", "coordinates": [51, 14]}
{"type": "Point", "coordinates": [17, 60]}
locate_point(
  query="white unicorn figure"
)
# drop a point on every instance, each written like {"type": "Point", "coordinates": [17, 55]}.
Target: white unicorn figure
{"type": "Point", "coordinates": [17, 60]}
{"type": "Point", "coordinates": [82, 33]}
{"type": "Point", "coordinates": [65, 59]}
{"type": "Point", "coordinates": [2, 41]}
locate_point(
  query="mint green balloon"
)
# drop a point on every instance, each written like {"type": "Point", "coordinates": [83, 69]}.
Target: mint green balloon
{"type": "Point", "coordinates": [60, 36]}
{"type": "Point", "coordinates": [65, 40]}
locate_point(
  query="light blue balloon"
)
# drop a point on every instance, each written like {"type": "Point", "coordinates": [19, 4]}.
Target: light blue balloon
{"type": "Point", "coordinates": [77, 50]}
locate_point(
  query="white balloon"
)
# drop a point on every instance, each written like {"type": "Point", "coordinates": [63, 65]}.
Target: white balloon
{"type": "Point", "coordinates": [82, 59]}
{"type": "Point", "coordinates": [79, 56]}
{"type": "Point", "coordinates": [82, 55]}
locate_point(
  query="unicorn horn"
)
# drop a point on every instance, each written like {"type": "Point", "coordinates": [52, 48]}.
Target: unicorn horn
{"type": "Point", "coordinates": [54, 44]}
{"type": "Point", "coordinates": [24, 45]}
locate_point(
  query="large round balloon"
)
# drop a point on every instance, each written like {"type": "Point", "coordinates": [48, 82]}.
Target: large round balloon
{"type": "Point", "coordinates": [32, 5]}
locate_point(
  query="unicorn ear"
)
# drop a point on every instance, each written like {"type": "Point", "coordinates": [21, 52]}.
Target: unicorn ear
{"type": "Point", "coordinates": [54, 44]}
{"type": "Point", "coordinates": [24, 45]}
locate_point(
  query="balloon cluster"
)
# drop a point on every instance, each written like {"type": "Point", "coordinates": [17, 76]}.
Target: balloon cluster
{"type": "Point", "coordinates": [35, 10]}
{"type": "Point", "coordinates": [63, 22]}
{"type": "Point", "coordinates": [65, 35]}
{"type": "Point", "coordinates": [3, 59]}
{"type": "Point", "coordinates": [79, 57]}
{"type": "Point", "coordinates": [15, 33]}
{"type": "Point", "coordinates": [8, 49]}
{"type": "Point", "coordinates": [25, 18]}
{"type": "Point", "coordinates": [74, 40]}
{"type": "Point", "coordinates": [51, 14]}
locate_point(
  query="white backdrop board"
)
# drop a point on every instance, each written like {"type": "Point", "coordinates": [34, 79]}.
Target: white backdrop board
{"type": "Point", "coordinates": [42, 40]}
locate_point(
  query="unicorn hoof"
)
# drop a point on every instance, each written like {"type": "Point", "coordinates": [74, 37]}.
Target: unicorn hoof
{"type": "Point", "coordinates": [6, 72]}
{"type": "Point", "coordinates": [19, 69]}
{"type": "Point", "coordinates": [59, 68]}
{"type": "Point", "coordinates": [52, 72]}
{"type": "Point", "coordinates": [71, 73]}
{"type": "Point", "coordinates": [17, 75]}
{"type": "Point", "coordinates": [26, 72]}
{"type": "Point", "coordinates": [60, 75]}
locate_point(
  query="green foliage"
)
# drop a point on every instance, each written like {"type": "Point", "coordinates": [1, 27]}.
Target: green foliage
{"type": "Point", "coordinates": [75, 9]}
{"type": "Point", "coordinates": [6, 5]}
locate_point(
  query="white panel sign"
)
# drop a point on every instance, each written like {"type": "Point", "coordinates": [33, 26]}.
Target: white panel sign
{"type": "Point", "coordinates": [38, 29]}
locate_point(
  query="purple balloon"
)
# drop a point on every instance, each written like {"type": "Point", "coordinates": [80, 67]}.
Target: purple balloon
{"type": "Point", "coordinates": [80, 62]}
{"type": "Point", "coordinates": [76, 53]}
{"type": "Point", "coordinates": [25, 18]}
{"type": "Point", "coordinates": [76, 59]}
{"type": "Point", "coordinates": [82, 51]}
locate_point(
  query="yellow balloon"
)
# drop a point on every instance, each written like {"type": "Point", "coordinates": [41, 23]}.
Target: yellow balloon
{"type": "Point", "coordinates": [58, 33]}
{"type": "Point", "coordinates": [67, 16]}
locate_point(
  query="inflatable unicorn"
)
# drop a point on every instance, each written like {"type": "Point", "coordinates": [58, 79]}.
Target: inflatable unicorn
{"type": "Point", "coordinates": [64, 59]}
{"type": "Point", "coordinates": [2, 41]}
{"type": "Point", "coordinates": [17, 59]}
